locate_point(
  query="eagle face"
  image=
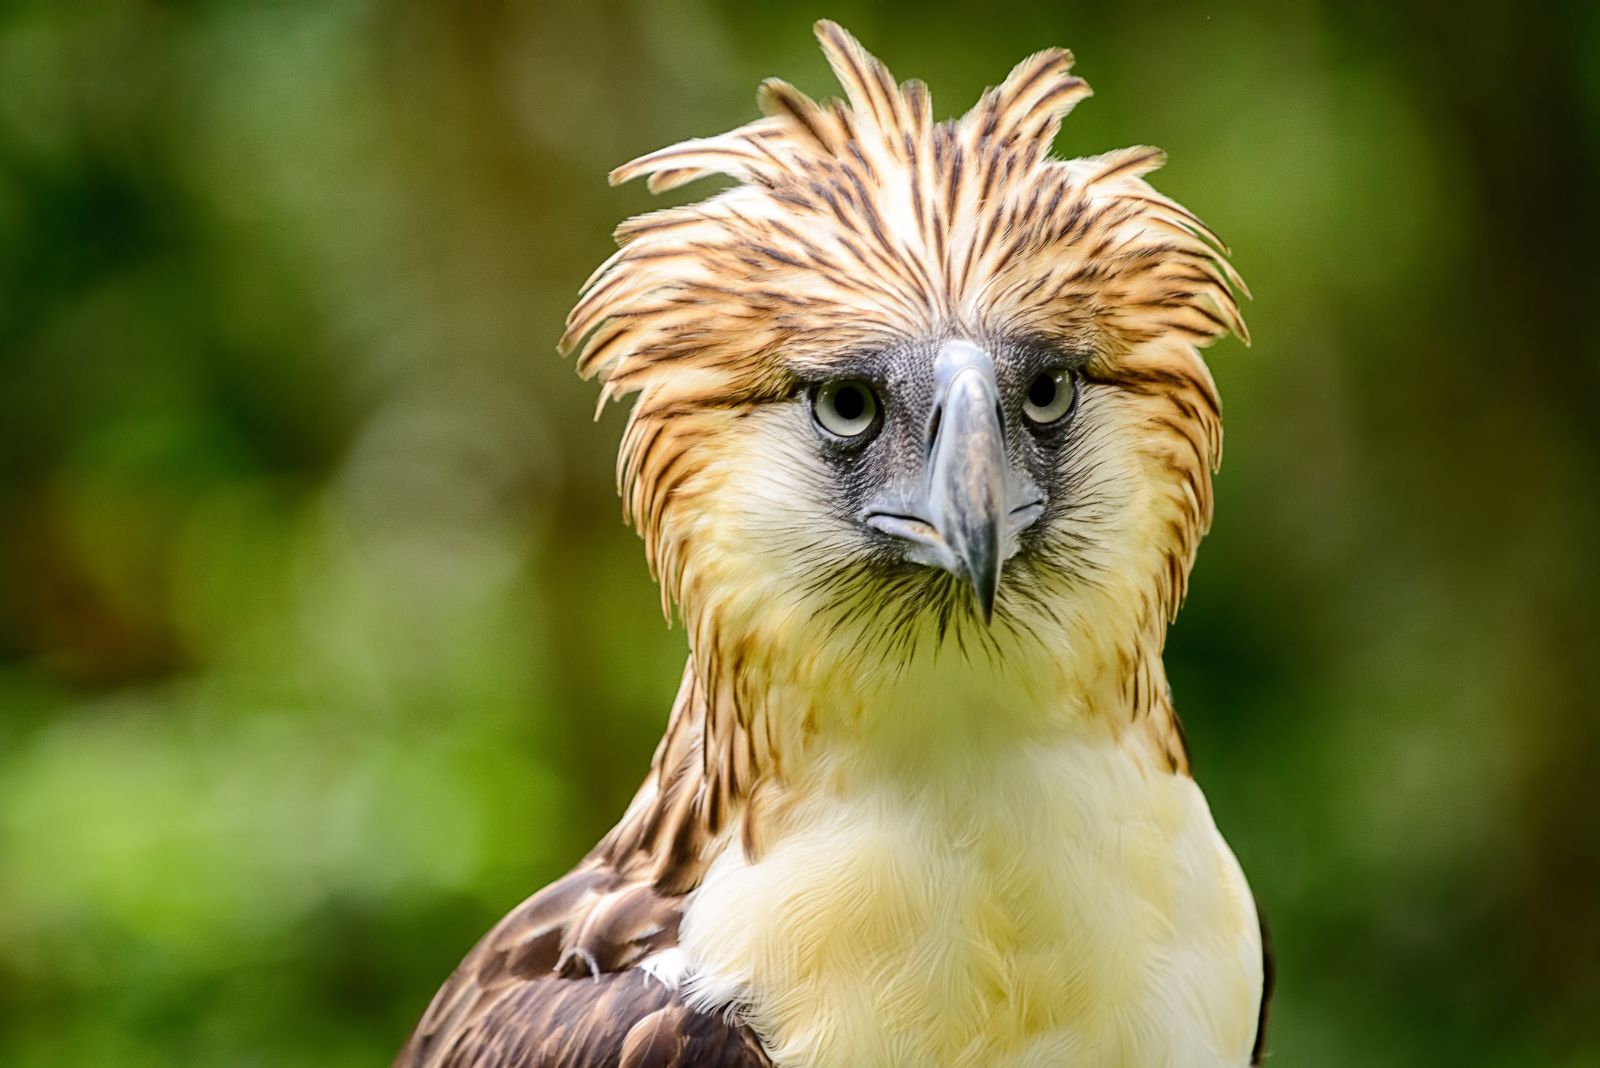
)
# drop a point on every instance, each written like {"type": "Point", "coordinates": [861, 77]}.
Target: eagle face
{"type": "Point", "coordinates": [912, 387]}
{"type": "Point", "coordinates": [942, 455]}
{"type": "Point", "coordinates": [944, 491]}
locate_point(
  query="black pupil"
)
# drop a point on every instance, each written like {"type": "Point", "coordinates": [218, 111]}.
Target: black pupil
{"type": "Point", "coordinates": [1043, 391]}
{"type": "Point", "coordinates": [849, 402]}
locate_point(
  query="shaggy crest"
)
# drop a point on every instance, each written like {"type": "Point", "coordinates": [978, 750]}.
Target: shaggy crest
{"type": "Point", "coordinates": [858, 225]}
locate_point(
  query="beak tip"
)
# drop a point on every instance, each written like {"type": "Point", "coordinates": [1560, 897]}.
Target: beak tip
{"type": "Point", "coordinates": [984, 592]}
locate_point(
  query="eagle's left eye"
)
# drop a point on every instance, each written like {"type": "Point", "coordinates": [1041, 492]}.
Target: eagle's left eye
{"type": "Point", "coordinates": [846, 409]}
{"type": "Point", "coordinates": [1050, 396]}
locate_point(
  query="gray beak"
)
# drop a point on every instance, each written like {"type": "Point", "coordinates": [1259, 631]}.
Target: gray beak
{"type": "Point", "coordinates": [958, 523]}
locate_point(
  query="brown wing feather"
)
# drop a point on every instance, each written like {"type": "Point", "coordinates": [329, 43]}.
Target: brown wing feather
{"type": "Point", "coordinates": [614, 1020]}
{"type": "Point", "coordinates": [558, 982]}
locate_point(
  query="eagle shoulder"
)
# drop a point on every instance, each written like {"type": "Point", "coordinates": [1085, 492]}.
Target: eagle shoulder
{"type": "Point", "coordinates": [569, 979]}
{"type": "Point", "coordinates": [561, 982]}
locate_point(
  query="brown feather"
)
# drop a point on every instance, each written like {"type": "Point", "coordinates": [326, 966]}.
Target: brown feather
{"type": "Point", "coordinates": [557, 983]}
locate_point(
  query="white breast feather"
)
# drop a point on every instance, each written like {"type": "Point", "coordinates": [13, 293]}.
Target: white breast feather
{"type": "Point", "coordinates": [1072, 909]}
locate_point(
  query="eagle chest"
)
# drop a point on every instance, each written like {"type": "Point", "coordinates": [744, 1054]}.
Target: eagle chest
{"type": "Point", "coordinates": [1080, 915]}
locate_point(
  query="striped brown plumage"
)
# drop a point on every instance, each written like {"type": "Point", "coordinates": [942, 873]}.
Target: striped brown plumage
{"type": "Point", "coordinates": [556, 984]}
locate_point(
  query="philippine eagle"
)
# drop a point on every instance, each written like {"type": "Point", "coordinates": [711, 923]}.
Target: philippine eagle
{"type": "Point", "coordinates": [921, 451]}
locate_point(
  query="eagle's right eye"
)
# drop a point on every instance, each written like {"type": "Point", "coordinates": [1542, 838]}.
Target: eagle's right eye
{"type": "Point", "coordinates": [847, 409]}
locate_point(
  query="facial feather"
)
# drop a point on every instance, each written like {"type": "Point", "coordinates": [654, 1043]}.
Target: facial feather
{"type": "Point", "coordinates": [858, 226]}
{"type": "Point", "coordinates": [865, 227]}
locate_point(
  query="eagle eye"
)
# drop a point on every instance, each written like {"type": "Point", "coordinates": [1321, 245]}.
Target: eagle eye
{"type": "Point", "coordinates": [1050, 397]}
{"type": "Point", "coordinates": [846, 409]}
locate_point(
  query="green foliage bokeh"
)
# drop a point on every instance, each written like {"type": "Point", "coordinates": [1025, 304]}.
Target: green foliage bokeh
{"type": "Point", "coordinates": [321, 641]}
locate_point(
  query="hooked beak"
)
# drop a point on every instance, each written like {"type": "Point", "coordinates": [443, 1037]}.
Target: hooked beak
{"type": "Point", "coordinates": [959, 520]}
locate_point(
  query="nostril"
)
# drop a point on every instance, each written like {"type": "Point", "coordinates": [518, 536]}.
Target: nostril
{"type": "Point", "coordinates": [933, 430]}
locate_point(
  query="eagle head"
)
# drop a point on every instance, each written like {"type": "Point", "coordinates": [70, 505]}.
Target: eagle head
{"type": "Point", "coordinates": [910, 386]}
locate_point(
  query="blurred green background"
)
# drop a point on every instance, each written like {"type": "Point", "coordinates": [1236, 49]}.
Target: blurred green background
{"type": "Point", "coordinates": [321, 641]}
